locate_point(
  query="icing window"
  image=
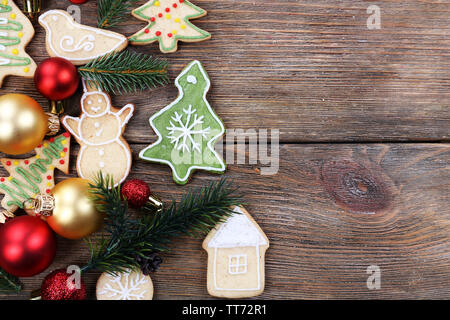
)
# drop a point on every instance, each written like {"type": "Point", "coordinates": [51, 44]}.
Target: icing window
{"type": "Point", "coordinates": [237, 264]}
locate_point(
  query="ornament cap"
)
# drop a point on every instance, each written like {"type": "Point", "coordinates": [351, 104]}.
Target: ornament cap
{"type": "Point", "coordinates": [57, 107]}
{"type": "Point", "coordinates": [32, 8]}
{"type": "Point", "coordinates": [43, 205]}
{"type": "Point", "coordinates": [154, 203]}
{"type": "Point", "coordinates": [53, 123]}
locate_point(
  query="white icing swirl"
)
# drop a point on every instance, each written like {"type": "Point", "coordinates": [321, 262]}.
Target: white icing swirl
{"type": "Point", "coordinates": [86, 43]}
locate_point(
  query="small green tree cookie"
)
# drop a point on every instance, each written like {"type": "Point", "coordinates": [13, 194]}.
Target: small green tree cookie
{"type": "Point", "coordinates": [187, 129]}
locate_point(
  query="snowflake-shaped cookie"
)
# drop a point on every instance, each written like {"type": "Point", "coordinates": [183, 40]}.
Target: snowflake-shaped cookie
{"type": "Point", "coordinates": [131, 285]}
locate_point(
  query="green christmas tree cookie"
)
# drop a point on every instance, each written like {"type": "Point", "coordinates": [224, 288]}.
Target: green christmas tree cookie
{"type": "Point", "coordinates": [187, 129]}
{"type": "Point", "coordinates": [168, 23]}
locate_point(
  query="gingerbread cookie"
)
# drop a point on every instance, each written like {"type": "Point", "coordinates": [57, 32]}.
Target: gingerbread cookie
{"type": "Point", "coordinates": [76, 42]}
{"type": "Point", "coordinates": [99, 132]}
{"type": "Point", "coordinates": [236, 250]}
{"type": "Point", "coordinates": [131, 285]}
{"type": "Point", "coordinates": [187, 129]}
{"type": "Point", "coordinates": [32, 176]}
{"type": "Point", "coordinates": [15, 33]}
{"type": "Point", "coordinates": [168, 24]}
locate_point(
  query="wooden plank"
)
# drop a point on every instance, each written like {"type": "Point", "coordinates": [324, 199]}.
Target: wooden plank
{"type": "Point", "coordinates": [309, 68]}
{"type": "Point", "coordinates": [322, 239]}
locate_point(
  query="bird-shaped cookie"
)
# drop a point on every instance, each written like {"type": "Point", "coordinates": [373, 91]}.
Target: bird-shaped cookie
{"type": "Point", "coordinates": [76, 42]}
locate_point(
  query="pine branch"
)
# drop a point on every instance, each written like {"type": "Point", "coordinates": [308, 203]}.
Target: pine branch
{"type": "Point", "coordinates": [9, 283]}
{"type": "Point", "coordinates": [125, 72]}
{"type": "Point", "coordinates": [113, 12]}
{"type": "Point", "coordinates": [198, 212]}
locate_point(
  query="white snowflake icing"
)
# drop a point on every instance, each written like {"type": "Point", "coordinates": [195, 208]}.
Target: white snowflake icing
{"type": "Point", "coordinates": [181, 133]}
{"type": "Point", "coordinates": [129, 290]}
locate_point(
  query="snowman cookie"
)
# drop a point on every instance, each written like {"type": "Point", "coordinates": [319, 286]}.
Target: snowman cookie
{"type": "Point", "coordinates": [99, 132]}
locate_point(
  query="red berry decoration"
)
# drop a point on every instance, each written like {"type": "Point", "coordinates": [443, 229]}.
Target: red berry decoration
{"type": "Point", "coordinates": [78, 1]}
{"type": "Point", "coordinates": [136, 192]}
{"type": "Point", "coordinates": [56, 79]}
{"type": "Point", "coordinates": [27, 246]}
{"type": "Point", "coordinates": [56, 287]}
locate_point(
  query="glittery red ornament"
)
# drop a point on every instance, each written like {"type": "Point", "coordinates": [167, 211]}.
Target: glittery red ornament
{"type": "Point", "coordinates": [78, 1]}
{"type": "Point", "coordinates": [56, 78]}
{"type": "Point", "coordinates": [56, 287]}
{"type": "Point", "coordinates": [136, 192]}
{"type": "Point", "coordinates": [27, 246]}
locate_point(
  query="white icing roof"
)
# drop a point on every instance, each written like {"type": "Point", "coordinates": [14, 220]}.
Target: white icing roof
{"type": "Point", "coordinates": [237, 231]}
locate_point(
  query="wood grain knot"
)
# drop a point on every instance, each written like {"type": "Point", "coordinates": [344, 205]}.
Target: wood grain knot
{"type": "Point", "coordinates": [355, 187]}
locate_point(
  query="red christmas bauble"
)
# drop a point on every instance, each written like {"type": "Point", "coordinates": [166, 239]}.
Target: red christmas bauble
{"type": "Point", "coordinates": [78, 1]}
{"type": "Point", "coordinates": [56, 78]}
{"type": "Point", "coordinates": [27, 246]}
{"type": "Point", "coordinates": [58, 286]}
{"type": "Point", "coordinates": [136, 192]}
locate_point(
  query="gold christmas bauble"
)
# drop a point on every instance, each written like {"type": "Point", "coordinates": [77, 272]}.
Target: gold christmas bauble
{"type": "Point", "coordinates": [23, 124]}
{"type": "Point", "coordinates": [74, 215]}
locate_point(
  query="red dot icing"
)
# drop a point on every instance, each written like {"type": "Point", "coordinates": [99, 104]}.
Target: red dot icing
{"type": "Point", "coordinates": [181, 1]}
{"type": "Point", "coordinates": [48, 190]}
{"type": "Point", "coordinates": [160, 15]}
{"type": "Point", "coordinates": [66, 134]}
{"type": "Point", "coordinates": [174, 5]}
{"type": "Point", "coordinates": [65, 149]}
{"type": "Point", "coordinates": [147, 31]}
{"type": "Point", "coordinates": [27, 162]}
{"type": "Point", "coordinates": [2, 179]}
{"type": "Point", "coordinates": [52, 139]}
{"type": "Point", "coordinates": [49, 177]}
{"type": "Point", "coordinates": [169, 35]}
{"type": "Point", "coordinates": [8, 163]}
{"type": "Point", "coordinates": [158, 33]}
{"type": "Point", "coordinates": [39, 146]}
{"type": "Point", "coordinates": [61, 161]}
{"type": "Point", "coordinates": [152, 19]}
{"type": "Point", "coordinates": [167, 9]}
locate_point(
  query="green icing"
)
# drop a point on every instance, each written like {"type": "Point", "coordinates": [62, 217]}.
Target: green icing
{"type": "Point", "coordinates": [7, 41]}
{"type": "Point", "coordinates": [140, 37]}
{"type": "Point", "coordinates": [182, 151]}
{"type": "Point", "coordinates": [5, 8]}
{"type": "Point", "coordinates": [30, 177]}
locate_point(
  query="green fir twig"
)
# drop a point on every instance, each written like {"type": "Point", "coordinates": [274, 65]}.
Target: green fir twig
{"type": "Point", "coordinates": [113, 12]}
{"type": "Point", "coordinates": [125, 72]}
{"type": "Point", "coordinates": [9, 283]}
{"type": "Point", "coordinates": [197, 213]}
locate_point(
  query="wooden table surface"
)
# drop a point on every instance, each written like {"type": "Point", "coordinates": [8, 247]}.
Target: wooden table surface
{"type": "Point", "coordinates": [368, 108]}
